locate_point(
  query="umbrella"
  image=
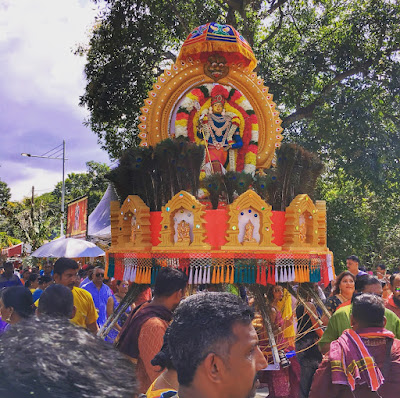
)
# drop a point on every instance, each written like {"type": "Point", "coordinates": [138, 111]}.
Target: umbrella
{"type": "Point", "coordinates": [68, 247]}
{"type": "Point", "coordinates": [215, 38]}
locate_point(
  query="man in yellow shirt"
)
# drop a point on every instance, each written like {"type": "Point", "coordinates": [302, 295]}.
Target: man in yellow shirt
{"type": "Point", "coordinates": [65, 271]}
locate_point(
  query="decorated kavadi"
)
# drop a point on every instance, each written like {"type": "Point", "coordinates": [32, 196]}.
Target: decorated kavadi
{"type": "Point", "coordinates": [212, 98]}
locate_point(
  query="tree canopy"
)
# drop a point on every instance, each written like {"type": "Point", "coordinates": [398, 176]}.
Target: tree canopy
{"type": "Point", "coordinates": [332, 65]}
{"type": "Point", "coordinates": [37, 221]}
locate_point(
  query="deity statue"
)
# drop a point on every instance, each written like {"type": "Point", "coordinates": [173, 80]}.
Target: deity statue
{"type": "Point", "coordinates": [248, 232]}
{"type": "Point", "coordinates": [183, 229]}
{"type": "Point", "coordinates": [220, 133]}
{"type": "Point", "coordinates": [303, 229]}
{"type": "Point", "coordinates": [133, 229]}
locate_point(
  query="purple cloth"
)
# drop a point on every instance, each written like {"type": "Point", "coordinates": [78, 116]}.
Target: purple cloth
{"type": "Point", "coordinates": [100, 298]}
{"type": "Point", "coordinates": [84, 282]}
{"type": "Point", "coordinates": [348, 363]}
{"type": "Point", "coordinates": [12, 281]}
{"type": "Point", "coordinates": [122, 319]}
{"type": "Point", "coordinates": [3, 326]}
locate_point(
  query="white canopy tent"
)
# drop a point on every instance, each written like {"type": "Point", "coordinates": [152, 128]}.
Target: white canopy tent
{"type": "Point", "coordinates": [99, 224]}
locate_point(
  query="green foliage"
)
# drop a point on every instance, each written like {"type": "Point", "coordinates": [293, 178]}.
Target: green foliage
{"type": "Point", "coordinates": [361, 222]}
{"type": "Point", "coordinates": [5, 194]}
{"type": "Point", "coordinates": [92, 183]}
{"type": "Point", "coordinates": [127, 49]}
{"type": "Point", "coordinates": [39, 221]}
{"type": "Point", "coordinates": [33, 222]}
{"type": "Point", "coordinates": [6, 240]}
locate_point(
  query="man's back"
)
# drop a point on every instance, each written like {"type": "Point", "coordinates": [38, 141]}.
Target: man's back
{"type": "Point", "coordinates": [340, 321]}
{"type": "Point", "coordinates": [85, 310]}
{"type": "Point", "coordinates": [142, 338]}
{"type": "Point", "coordinates": [322, 384]}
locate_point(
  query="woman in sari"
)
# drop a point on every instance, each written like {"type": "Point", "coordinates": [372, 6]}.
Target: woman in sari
{"type": "Point", "coordinates": [112, 303]}
{"type": "Point", "coordinates": [341, 295]}
{"type": "Point", "coordinates": [283, 383]}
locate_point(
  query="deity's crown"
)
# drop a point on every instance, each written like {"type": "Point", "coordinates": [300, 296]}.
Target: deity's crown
{"type": "Point", "coordinates": [218, 99]}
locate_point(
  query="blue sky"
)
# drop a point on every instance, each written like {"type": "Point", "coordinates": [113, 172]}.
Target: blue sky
{"type": "Point", "coordinates": [40, 84]}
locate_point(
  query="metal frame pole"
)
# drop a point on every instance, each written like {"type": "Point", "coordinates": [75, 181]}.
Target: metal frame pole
{"type": "Point", "coordinates": [63, 192]}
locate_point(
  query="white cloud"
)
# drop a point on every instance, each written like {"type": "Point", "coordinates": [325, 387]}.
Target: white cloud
{"type": "Point", "coordinates": [40, 36]}
{"type": "Point", "coordinates": [40, 84]}
{"type": "Point", "coordinates": [42, 180]}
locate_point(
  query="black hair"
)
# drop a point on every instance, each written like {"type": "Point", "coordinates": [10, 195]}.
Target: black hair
{"type": "Point", "coordinates": [203, 323]}
{"type": "Point", "coordinates": [56, 301]}
{"type": "Point", "coordinates": [392, 278]}
{"type": "Point", "coordinates": [32, 278]}
{"type": "Point", "coordinates": [270, 292]}
{"type": "Point", "coordinates": [63, 264]}
{"type": "Point", "coordinates": [353, 258]}
{"type": "Point", "coordinates": [62, 361]}
{"type": "Point", "coordinates": [19, 298]}
{"type": "Point", "coordinates": [381, 266]}
{"type": "Point", "coordinates": [44, 279]}
{"type": "Point", "coordinates": [336, 288]}
{"type": "Point", "coordinates": [168, 281]}
{"type": "Point", "coordinates": [363, 281]}
{"type": "Point", "coordinates": [163, 358]}
{"type": "Point", "coordinates": [369, 310]}
{"type": "Point", "coordinates": [8, 264]}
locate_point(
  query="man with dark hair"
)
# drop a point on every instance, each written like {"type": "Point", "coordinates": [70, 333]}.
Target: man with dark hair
{"type": "Point", "coordinates": [101, 294]}
{"type": "Point", "coordinates": [8, 278]}
{"type": "Point", "coordinates": [88, 271]}
{"type": "Point", "coordinates": [365, 360]}
{"type": "Point", "coordinates": [340, 320]}
{"type": "Point", "coordinates": [393, 302]}
{"type": "Point", "coordinates": [214, 347]}
{"type": "Point", "coordinates": [353, 264]}
{"type": "Point", "coordinates": [61, 360]}
{"type": "Point", "coordinates": [65, 270]}
{"type": "Point", "coordinates": [57, 301]}
{"type": "Point", "coordinates": [142, 335]}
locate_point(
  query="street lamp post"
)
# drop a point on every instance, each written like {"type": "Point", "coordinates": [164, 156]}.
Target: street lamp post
{"type": "Point", "coordinates": [63, 176]}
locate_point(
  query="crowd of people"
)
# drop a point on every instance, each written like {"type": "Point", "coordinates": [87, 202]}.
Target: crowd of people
{"type": "Point", "coordinates": [208, 344]}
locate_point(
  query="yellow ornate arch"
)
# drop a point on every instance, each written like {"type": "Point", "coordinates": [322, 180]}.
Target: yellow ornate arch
{"type": "Point", "coordinates": [316, 224]}
{"type": "Point", "coordinates": [186, 201]}
{"type": "Point", "coordinates": [183, 76]}
{"type": "Point", "coordinates": [264, 210]}
{"type": "Point", "coordinates": [125, 234]}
